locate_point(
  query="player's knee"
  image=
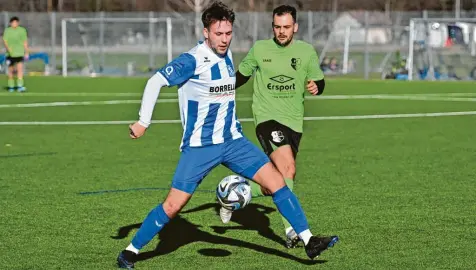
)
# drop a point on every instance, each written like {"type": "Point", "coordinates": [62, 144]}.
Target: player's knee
{"type": "Point", "coordinates": [270, 178]}
{"type": "Point", "coordinates": [172, 208]}
{"type": "Point", "coordinates": [289, 170]}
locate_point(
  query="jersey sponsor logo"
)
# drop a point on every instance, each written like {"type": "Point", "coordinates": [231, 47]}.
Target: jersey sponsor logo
{"type": "Point", "coordinates": [222, 90]}
{"type": "Point", "coordinates": [283, 85]}
{"type": "Point", "coordinates": [277, 136]}
{"type": "Point", "coordinates": [266, 60]}
{"type": "Point", "coordinates": [295, 63]}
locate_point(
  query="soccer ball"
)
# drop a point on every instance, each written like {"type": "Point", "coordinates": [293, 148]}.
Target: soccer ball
{"type": "Point", "coordinates": [233, 192]}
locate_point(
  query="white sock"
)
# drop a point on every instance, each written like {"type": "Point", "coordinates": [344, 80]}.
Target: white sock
{"type": "Point", "coordinates": [289, 231]}
{"type": "Point", "coordinates": [305, 236]}
{"type": "Point", "coordinates": [132, 248]}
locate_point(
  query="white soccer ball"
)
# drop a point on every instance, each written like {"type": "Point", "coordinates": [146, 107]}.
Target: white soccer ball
{"type": "Point", "coordinates": [233, 192]}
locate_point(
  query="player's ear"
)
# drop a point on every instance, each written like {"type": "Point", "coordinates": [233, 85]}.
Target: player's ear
{"type": "Point", "coordinates": [205, 33]}
{"type": "Point", "coordinates": [296, 26]}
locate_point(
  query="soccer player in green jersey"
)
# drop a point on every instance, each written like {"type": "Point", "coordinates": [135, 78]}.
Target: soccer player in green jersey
{"type": "Point", "coordinates": [15, 39]}
{"type": "Point", "coordinates": [284, 69]}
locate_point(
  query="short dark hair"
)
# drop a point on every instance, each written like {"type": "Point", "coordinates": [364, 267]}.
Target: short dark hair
{"type": "Point", "coordinates": [217, 11]}
{"type": "Point", "coordinates": [286, 9]}
{"type": "Point", "coordinates": [15, 18]}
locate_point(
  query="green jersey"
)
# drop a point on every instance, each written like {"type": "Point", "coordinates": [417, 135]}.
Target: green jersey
{"type": "Point", "coordinates": [15, 39]}
{"type": "Point", "coordinates": [281, 79]}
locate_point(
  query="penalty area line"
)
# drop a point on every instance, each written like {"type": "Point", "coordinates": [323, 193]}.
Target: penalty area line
{"type": "Point", "coordinates": [311, 118]}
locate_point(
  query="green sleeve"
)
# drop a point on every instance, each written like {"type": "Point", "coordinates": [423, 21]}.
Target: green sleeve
{"type": "Point", "coordinates": [5, 34]}
{"type": "Point", "coordinates": [249, 64]}
{"type": "Point", "coordinates": [24, 35]}
{"type": "Point", "coordinates": [314, 71]}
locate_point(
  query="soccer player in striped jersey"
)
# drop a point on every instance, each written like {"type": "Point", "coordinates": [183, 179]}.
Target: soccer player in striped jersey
{"type": "Point", "coordinates": [212, 135]}
{"type": "Point", "coordinates": [284, 69]}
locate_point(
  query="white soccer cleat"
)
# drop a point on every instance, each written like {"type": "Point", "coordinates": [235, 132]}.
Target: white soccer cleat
{"type": "Point", "coordinates": [225, 215]}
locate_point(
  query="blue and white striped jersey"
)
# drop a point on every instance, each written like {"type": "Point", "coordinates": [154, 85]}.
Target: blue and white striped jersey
{"type": "Point", "coordinates": [206, 96]}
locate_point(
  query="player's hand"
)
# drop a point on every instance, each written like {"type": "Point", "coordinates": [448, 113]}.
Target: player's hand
{"type": "Point", "coordinates": [136, 130]}
{"type": "Point", "coordinates": [27, 55]}
{"type": "Point", "coordinates": [312, 87]}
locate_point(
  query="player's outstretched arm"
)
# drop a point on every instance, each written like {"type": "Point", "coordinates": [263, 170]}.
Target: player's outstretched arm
{"type": "Point", "coordinates": [151, 93]}
{"type": "Point", "coordinates": [174, 73]}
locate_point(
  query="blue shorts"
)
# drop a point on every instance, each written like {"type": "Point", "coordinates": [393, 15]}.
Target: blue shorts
{"type": "Point", "coordinates": [240, 155]}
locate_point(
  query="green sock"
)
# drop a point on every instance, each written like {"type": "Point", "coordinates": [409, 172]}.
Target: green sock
{"type": "Point", "coordinates": [290, 184]}
{"type": "Point", "coordinates": [20, 82]}
{"type": "Point", "coordinates": [11, 83]}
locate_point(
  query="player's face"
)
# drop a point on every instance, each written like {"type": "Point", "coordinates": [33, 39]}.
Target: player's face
{"type": "Point", "coordinates": [284, 28]}
{"type": "Point", "coordinates": [218, 36]}
{"type": "Point", "coordinates": [14, 24]}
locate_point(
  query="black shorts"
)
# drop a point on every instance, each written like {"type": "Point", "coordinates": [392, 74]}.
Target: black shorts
{"type": "Point", "coordinates": [272, 135]}
{"type": "Point", "coordinates": [11, 61]}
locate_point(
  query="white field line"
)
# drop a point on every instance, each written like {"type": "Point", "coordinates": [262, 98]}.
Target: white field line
{"type": "Point", "coordinates": [130, 94]}
{"type": "Point", "coordinates": [53, 94]}
{"type": "Point", "coordinates": [317, 118]}
{"type": "Point", "coordinates": [335, 97]}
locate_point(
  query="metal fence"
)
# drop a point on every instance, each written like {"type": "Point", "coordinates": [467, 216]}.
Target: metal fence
{"type": "Point", "coordinates": [322, 29]}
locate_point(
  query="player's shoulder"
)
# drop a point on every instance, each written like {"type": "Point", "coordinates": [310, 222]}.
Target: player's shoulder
{"type": "Point", "coordinates": [204, 58]}
{"type": "Point", "coordinates": [189, 58]}
{"type": "Point", "coordinates": [200, 53]}
{"type": "Point", "coordinates": [303, 45]}
{"type": "Point", "coordinates": [263, 43]}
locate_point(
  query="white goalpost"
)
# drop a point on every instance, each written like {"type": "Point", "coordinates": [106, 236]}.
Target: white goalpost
{"type": "Point", "coordinates": [114, 45]}
{"type": "Point", "coordinates": [442, 49]}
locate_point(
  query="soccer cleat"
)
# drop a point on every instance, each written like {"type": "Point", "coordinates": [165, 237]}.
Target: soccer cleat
{"type": "Point", "coordinates": [21, 89]}
{"type": "Point", "coordinates": [225, 215]}
{"type": "Point", "coordinates": [292, 240]}
{"type": "Point", "coordinates": [317, 244]}
{"type": "Point", "coordinates": [126, 259]}
{"type": "Point", "coordinates": [11, 89]}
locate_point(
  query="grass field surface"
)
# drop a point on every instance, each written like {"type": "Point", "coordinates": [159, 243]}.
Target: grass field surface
{"type": "Point", "coordinates": [388, 166]}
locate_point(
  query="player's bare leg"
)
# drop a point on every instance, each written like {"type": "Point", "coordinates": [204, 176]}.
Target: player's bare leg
{"type": "Point", "coordinates": [11, 80]}
{"type": "Point", "coordinates": [283, 160]}
{"type": "Point", "coordinates": [153, 223]}
{"type": "Point", "coordinates": [20, 83]}
{"type": "Point", "coordinates": [290, 208]}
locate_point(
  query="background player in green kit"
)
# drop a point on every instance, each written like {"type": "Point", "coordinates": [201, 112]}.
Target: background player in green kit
{"type": "Point", "coordinates": [16, 43]}
{"type": "Point", "coordinates": [285, 68]}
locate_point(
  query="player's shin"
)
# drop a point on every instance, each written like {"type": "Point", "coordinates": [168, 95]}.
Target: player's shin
{"type": "Point", "coordinates": [287, 226]}
{"type": "Point", "coordinates": [153, 223]}
{"type": "Point", "coordinates": [11, 83]}
{"type": "Point", "coordinates": [290, 208]}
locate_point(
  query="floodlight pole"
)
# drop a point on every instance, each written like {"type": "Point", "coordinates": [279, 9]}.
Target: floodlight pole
{"type": "Point", "coordinates": [457, 9]}
{"type": "Point", "coordinates": [64, 49]}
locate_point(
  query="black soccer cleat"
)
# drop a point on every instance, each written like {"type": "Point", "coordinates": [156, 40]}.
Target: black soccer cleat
{"type": "Point", "coordinates": [317, 244]}
{"type": "Point", "coordinates": [293, 241]}
{"type": "Point", "coordinates": [126, 259]}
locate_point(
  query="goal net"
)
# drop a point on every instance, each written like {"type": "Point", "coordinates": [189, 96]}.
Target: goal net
{"type": "Point", "coordinates": [115, 46]}
{"type": "Point", "coordinates": [442, 49]}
